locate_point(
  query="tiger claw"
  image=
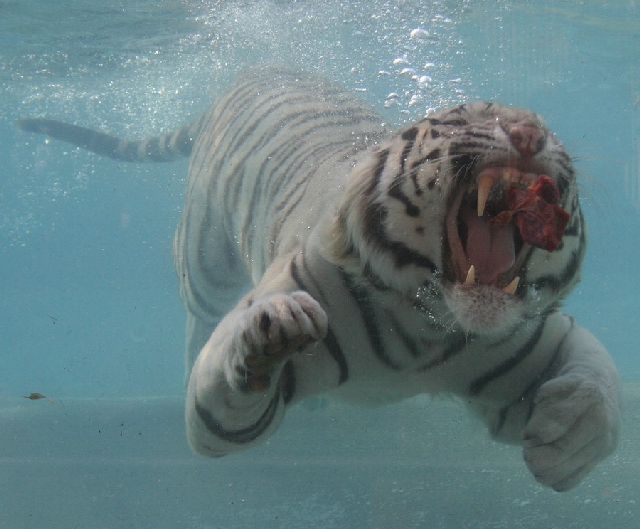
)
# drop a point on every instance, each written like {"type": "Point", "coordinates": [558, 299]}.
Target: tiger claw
{"type": "Point", "coordinates": [274, 329]}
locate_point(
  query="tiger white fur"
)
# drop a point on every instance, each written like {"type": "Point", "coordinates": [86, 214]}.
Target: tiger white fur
{"type": "Point", "coordinates": [352, 247]}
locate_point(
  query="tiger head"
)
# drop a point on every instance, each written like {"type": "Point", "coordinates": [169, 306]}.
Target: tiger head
{"type": "Point", "coordinates": [474, 208]}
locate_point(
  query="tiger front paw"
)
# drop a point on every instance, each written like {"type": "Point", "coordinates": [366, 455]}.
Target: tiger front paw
{"type": "Point", "coordinates": [574, 425]}
{"type": "Point", "coordinates": [271, 330]}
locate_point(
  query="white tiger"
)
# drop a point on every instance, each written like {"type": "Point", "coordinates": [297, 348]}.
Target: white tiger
{"type": "Point", "coordinates": [432, 261]}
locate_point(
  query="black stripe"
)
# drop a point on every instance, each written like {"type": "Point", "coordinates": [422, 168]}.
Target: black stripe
{"type": "Point", "coordinates": [202, 302]}
{"type": "Point", "coordinates": [282, 152]}
{"type": "Point", "coordinates": [527, 394]}
{"type": "Point", "coordinates": [245, 133]}
{"type": "Point", "coordinates": [564, 155]}
{"type": "Point", "coordinates": [575, 227]}
{"type": "Point", "coordinates": [395, 188]}
{"type": "Point", "coordinates": [462, 164]}
{"type": "Point", "coordinates": [528, 320]}
{"type": "Point", "coordinates": [457, 344]}
{"type": "Point", "coordinates": [302, 156]}
{"type": "Point", "coordinates": [287, 123]}
{"type": "Point", "coordinates": [226, 114]}
{"type": "Point", "coordinates": [374, 279]}
{"type": "Point", "coordinates": [556, 282]}
{"type": "Point", "coordinates": [383, 155]}
{"type": "Point", "coordinates": [204, 268]}
{"type": "Point", "coordinates": [319, 144]}
{"type": "Point", "coordinates": [288, 382]}
{"type": "Point", "coordinates": [259, 188]}
{"type": "Point", "coordinates": [410, 134]}
{"type": "Point", "coordinates": [502, 369]}
{"type": "Point", "coordinates": [457, 110]}
{"type": "Point", "coordinates": [563, 160]}
{"type": "Point", "coordinates": [151, 149]}
{"type": "Point", "coordinates": [563, 183]}
{"type": "Point", "coordinates": [286, 205]}
{"type": "Point", "coordinates": [236, 111]}
{"type": "Point", "coordinates": [291, 204]}
{"type": "Point", "coordinates": [549, 369]}
{"type": "Point", "coordinates": [480, 135]}
{"type": "Point", "coordinates": [455, 123]}
{"type": "Point", "coordinates": [431, 156]}
{"type": "Point", "coordinates": [369, 319]}
{"type": "Point", "coordinates": [297, 191]}
{"type": "Point", "coordinates": [258, 191]}
{"type": "Point", "coordinates": [502, 417]}
{"type": "Point", "coordinates": [330, 341]}
{"type": "Point", "coordinates": [104, 144]}
{"type": "Point", "coordinates": [243, 435]}
{"type": "Point", "coordinates": [546, 375]}
{"type": "Point", "coordinates": [374, 216]}
{"type": "Point", "coordinates": [267, 185]}
{"type": "Point", "coordinates": [583, 238]}
{"type": "Point", "coordinates": [405, 337]}
{"type": "Point", "coordinates": [243, 104]}
{"type": "Point", "coordinates": [465, 145]}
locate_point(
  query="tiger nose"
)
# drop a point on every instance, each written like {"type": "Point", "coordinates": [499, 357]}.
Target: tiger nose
{"type": "Point", "coordinates": [528, 139]}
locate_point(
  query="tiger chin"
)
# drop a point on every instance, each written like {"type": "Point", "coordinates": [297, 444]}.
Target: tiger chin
{"type": "Point", "coordinates": [484, 308]}
{"type": "Point", "coordinates": [320, 252]}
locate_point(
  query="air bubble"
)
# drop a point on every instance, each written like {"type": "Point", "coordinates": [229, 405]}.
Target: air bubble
{"type": "Point", "coordinates": [391, 100]}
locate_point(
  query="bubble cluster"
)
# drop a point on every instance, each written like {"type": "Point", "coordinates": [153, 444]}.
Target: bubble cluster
{"type": "Point", "coordinates": [149, 67]}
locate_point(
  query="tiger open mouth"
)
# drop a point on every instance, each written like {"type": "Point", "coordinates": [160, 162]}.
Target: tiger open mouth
{"type": "Point", "coordinates": [493, 225]}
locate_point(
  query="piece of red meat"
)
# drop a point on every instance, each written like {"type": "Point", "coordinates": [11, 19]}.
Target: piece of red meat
{"type": "Point", "coordinates": [535, 212]}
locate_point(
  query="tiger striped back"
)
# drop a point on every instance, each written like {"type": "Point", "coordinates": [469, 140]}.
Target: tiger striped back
{"type": "Point", "coordinates": [266, 167]}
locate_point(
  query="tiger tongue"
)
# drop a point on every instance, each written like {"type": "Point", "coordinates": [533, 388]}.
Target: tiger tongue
{"type": "Point", "coordinates": [489, 247]}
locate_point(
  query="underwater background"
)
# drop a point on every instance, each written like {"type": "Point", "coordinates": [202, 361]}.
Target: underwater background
{"type": "Point", "coordinates": [90, 316]}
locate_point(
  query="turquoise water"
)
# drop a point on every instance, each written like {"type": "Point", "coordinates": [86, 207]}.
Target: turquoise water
{"type": "Point", "coordinates": [89, 306]}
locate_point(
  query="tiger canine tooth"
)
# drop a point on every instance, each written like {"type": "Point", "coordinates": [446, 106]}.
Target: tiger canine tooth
{"type": "Point", "coordinates": [485, 184]}
{"type": "Point", "coordinates": [471, 276]}
{"type": "Point", "coordinates": [511, 287]}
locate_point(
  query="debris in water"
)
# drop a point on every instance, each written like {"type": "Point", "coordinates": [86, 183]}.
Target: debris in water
{"type": "Point", "coordinates": [35, 396]}
{"type": "Point", "coordinates": [419, 34]}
